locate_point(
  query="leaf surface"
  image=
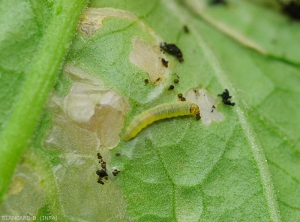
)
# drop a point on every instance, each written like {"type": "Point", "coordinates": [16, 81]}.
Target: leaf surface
{"type": "Point", "coordinates": [244, 168]}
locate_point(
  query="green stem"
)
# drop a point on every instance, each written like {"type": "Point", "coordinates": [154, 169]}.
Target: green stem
{"type": "Point", "coordinates": [40, 78]}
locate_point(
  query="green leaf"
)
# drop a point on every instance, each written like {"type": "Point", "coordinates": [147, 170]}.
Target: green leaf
{"type": "Point", "coordinates": [21, 31]}
{"type": "Point", "coordinates": [244, 168]}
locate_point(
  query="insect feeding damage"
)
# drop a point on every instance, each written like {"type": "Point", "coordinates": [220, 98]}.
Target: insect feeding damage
{"type": "Point", "coordinates": [89, 116]}
{"type": "Point", "coordinates": [148, 56]}
{"type": "Point", "coordinates": [162, 111]}
{"type": "Point", "coordinates": [172, 49]}
{"type": "Point", "coordinates": [206, 102]}
{"type": "Point", "coordinates": [92, 19]}
{"type": "Point", "coordinates": [85, 119]}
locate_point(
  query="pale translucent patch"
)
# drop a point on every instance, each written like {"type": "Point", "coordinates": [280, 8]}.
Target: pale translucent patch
{"type": "Point", "coordinates": [148, 57]}
{"type": "Point", "coordinates": [24, 195]}
{"type": "Point", "coordinates": [207, 104]}
{"type": "Point", "coordinates": [90, 116]}
{"type": "Point", "coordinates": [78, 105]}
{"type": "Point", "coordinates": [158, 90]}
{"type": "Point", "coordinates": [16, 186]}
{"type": "Point", "coordinates": [92, 18]}
{"type": "Point", "coordinates": [82, 198]}
{"type": "Point", "coordinates": [70, 137]}
{"type": "Point", "coordinates": [86, 121]}
{"type": "Point", "coordinates": [145, 55]}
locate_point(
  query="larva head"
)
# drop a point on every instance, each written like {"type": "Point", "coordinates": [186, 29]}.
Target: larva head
{"type": "Point", "coordinates": [194, 109]}
{"type": "Point", "coordinates": [127, 137]}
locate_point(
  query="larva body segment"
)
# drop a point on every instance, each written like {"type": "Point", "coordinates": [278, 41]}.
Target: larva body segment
{"type": "Point", "coordinates": [162, 111]}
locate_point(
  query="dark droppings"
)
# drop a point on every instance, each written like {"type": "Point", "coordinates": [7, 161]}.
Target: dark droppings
{"type": "Point", "coordinates": [103, 165]}
{"type": "Point", "coordinates": [213, 107]}
{"type": "Point", "coordinates": [164, 62]}
{"type": "Point", "coordinates": [157, 80]}
{"type": "Point", "coordinates": [180, 97]}
{"type": "Point", "coordinates": [176, 80]}
{"type": "Point", "coordinates": [100, 181]}
{"type": "Point", "coordinates": [226, 98]}
{"type": "Point", "coordinates": [217, 2]}
{"type": "Point", "coordinates": [171, 87]}
{"type": "Point", "coordinates": [102, 174]}
{"type": "Point", "coordinates": [291, 9]}
{"type": "Point", "coordinates": [186, 29]}
{"type": "Point", "coordinates": [173, 50]}
{"type": "Point", "coordinates": [116, 172]}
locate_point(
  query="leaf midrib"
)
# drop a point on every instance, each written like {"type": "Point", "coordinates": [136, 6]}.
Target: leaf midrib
{"type": "Point", "coordinates": [38, 82]}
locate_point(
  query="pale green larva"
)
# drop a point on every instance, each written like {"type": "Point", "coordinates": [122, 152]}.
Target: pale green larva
{"type": "Point", "coordinates": [162, 111]}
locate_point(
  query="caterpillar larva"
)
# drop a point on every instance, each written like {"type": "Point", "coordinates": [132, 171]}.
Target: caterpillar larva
{"type": "Point", "coordinates": [162, 111]}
